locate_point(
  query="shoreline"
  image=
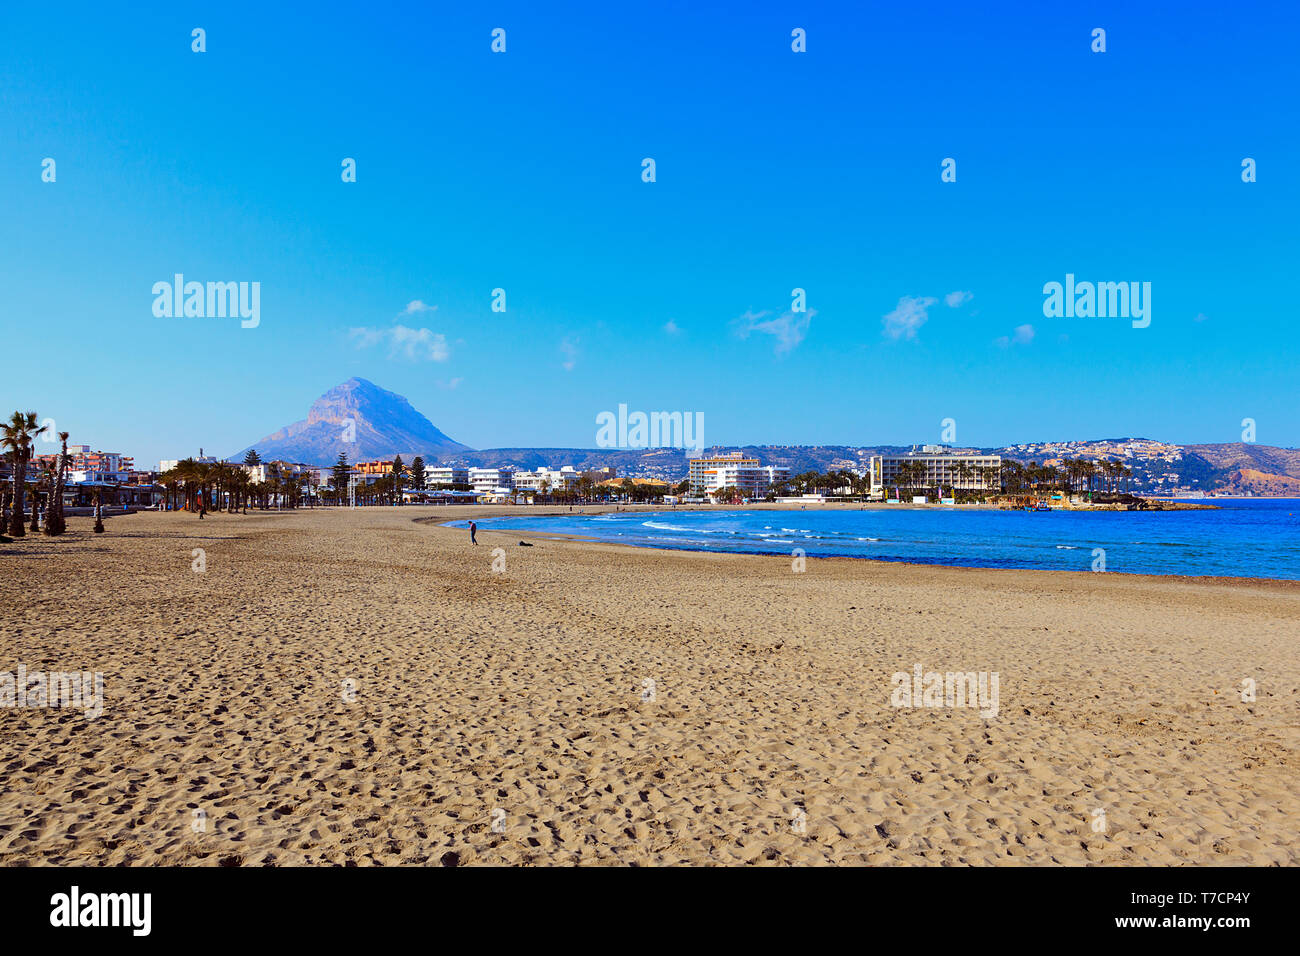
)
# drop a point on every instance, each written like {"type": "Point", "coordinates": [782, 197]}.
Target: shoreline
{"type": "Point", "coordinates": [522, 511]}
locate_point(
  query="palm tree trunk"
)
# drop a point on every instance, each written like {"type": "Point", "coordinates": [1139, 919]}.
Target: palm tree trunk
{"type": "Point", "coordinates": [54, 521]}
{"type": "Point", "coordinates": [16, 528]}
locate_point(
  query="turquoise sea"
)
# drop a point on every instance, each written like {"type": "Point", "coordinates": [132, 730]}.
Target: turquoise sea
{"type": "Point", "coordinates": [1252, 537]}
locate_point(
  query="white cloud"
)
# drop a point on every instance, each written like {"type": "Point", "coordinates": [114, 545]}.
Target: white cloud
{"type": "Point", "coordinates": [1201, 317]}
{"type": "Point", "coordinates": [415, 305]}
{"type": "Point", "coordinates": [450, 383]}
{"type": "Point", "coordinates": [1021, 335]}
{"type": "Point", "coordinates": [789, 329]}
{"type": "Point", "coordinates": [569, 348]}
{"type": "Point", "coordinates": [954, 299]}
{"type": "Point", "coordinates": [672, 328]}
{"type": "Point", "coordinates": [404, 342]}
{"type": "Point", "coordinates": [909, 316]}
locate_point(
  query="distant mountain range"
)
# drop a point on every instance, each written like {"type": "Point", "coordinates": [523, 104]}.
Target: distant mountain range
{"type": "Point", "coordinates": [1235, 468]}
{"type": "Point", "coordinates": [366, 422]}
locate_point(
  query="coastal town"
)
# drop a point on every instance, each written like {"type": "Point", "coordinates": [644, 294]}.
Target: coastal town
{"type": "Point", "coordinates": [76, 478]}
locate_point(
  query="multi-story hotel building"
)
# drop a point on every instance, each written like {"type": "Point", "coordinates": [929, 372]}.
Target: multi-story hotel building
{"type": "Point", "coordinates": [941, 469]}
{"type": "Point", "coordinates": [82, 459]}
{"type": "Point", "coordinates": [552, 479]}
{"type": "Point", "coordinates": [445, 475]}
{"type": "Point", "coordinates": [707, 475]}
{"type": "Point", "coordinates": [486, 480]}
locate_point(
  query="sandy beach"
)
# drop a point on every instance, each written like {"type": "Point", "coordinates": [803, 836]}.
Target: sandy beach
{"type": "Point", "coordinates": [361, 687]}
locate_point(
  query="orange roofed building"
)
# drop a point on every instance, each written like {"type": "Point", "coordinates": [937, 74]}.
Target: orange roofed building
{"type": "Point", "coordinates": [379, 467]}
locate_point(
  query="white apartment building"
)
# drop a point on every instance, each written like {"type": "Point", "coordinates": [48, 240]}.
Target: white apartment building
{"type": "Point", "coordinates": [486, 480]}
{"type": "Point", "coordinates": [262, 473]}
{"type": "Point", "coordinates": [707, 475]}
{"type": "Point", "coordinates": [445, 475]}
{"type": "Point", "coordinates": [167, 464]}
{"type": "Point", "coordinates": [549, 479]}
{"type": "Point", "coordinates": [939, 468]}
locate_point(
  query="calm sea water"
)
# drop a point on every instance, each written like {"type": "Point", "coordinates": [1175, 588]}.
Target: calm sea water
{"type": "Point", "coordinates": [1254, 537]}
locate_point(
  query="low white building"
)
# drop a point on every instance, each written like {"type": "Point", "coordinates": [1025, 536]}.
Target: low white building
{"type": "Point", "coordinates": [77, 476]}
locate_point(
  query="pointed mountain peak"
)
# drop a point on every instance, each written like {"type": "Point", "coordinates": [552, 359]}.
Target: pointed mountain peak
{"type": "Point", "coordinates": [361, 420]}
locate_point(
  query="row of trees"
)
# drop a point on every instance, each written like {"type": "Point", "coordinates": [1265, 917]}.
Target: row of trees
{"type": "Point", "coordinates": [18, 439]}
{"type": "Point", "coordinates": [1073, 475]}
{"type": "Point", "coordinates": [388, 488]}
{"type": "Point", "coordinates": [841, 482]}
{"type": "Point", "coordinates": [970, 480]}
{"type": "Point", "coordinates": [204, 486]}
{"type": "Point", "coordinates": [213, 486]}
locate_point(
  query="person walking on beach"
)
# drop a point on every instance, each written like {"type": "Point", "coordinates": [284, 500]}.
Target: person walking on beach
{"type": "Point", "coordinates": [473, 530]}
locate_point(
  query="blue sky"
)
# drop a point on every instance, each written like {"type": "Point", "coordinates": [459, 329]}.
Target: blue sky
{"type": "Point", "coordinates": [775, 170]}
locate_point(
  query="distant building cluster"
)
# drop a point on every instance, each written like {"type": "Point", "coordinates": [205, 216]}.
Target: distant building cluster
{"type": "Point", "coordinates": [113, 477]}
{"type": "Point", "coordinates": [1143, 448]}
{"type": "Point", "coordinates": [98, 466]}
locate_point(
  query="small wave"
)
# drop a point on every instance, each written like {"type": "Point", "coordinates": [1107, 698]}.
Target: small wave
{"type": "Point", "coordinates": [663, 526]}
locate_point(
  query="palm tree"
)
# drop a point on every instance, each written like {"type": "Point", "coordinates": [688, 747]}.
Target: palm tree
{"type": "Point", "coordinates": [44, 485]}
{"type": "Point", "coordinates": [17, 435]}
{"type": "Point", "coordinates": [99, 514]}
{"type": "Point", "coordinates": [232, 480]}
{"type": "Point", "coordinates": [964, 473]}
{"type": "Point", "coordinates": [396, 474]}
{"type": "Point", "coordinates": [54, 520]}
{"type": "Point", "coordinates": [195, 477]}
{"type": "Point", "coordinates": [203, 478]}
{"type": "Point", "coordinates": [168, 480]}
{"type": "Point", "coordinates": [1114, 470]}
{"type": "Point", "coordinates": [273, 482]}
{"type": "Point", "coordinates": [185, 475]}
{"type": "Point", "coordinates": [242, 484]}
{"type": "Point", "coordinates": [297, 484]}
